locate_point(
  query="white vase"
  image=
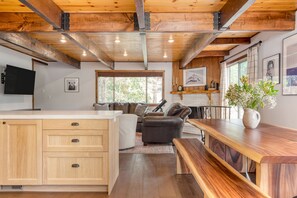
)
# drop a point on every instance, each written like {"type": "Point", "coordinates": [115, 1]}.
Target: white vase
{"type": "Point", "coordinates": [251, 118]}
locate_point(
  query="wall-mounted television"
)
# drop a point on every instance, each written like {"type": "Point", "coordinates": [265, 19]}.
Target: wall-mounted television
{"type": "Point", "coordinates": [19, 81]}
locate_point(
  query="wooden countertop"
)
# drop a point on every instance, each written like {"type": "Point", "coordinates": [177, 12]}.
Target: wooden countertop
{"type": "Point", "coordinates": [59, 114]}
{"type": "Point", "coordinates": [265, 144]}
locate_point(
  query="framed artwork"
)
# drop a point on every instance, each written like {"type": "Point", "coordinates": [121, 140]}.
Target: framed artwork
{"type": "Point", "coordinates": [271, 68]}
{"type": "Point", "coordinates": [71, 85]}
{"type": "Point", "coordinates": [195, 77]}
{"type": "Point", "coordinates": [290, 65]}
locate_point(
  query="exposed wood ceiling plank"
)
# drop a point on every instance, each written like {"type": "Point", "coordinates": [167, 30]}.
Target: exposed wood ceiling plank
{"type": "Point", "coordinates": [232, 10]}
{"type": "Point", "coordinates": [197, 47]}
{"type": "Point", "coordinates": [160, 22]}
{"type": "Point", "coordinates": [25, 41]}
{"type": "Point", "coordinates": [231, 41]}
{"type": "Point", "coordinates": [144, 49]}
{"type": "Point", "coordinates": [47, 10]}
{"type": "Point", "coordinates": [87, 44]}
{"type": "Point", "coordinates": [212, 53]}
{"type": "Point", "coordinates": [50, 12]}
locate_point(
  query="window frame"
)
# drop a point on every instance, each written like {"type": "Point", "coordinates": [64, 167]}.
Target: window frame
{"type": "Point", "coordinates": [237, 61]}
{"type": "Point", "coordinates": [129, 73]}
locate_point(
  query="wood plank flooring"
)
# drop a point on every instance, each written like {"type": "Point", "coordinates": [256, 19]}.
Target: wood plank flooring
{"type": "Point", "coordinates": [141, 176]}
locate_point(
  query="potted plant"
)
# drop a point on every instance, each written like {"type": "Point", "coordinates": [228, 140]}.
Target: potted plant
{"type": "Point", "coordinates": [252, 97]}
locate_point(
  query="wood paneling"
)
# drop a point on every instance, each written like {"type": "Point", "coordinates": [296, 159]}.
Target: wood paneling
{"type": "Point", "coordinates": [236, 34]}
{"type": "Point", "coordinates": [13, 6]}
{"type": "Point", "coordinates": [87, 6]}
{"type": "Point", "coordinates": [274, 5]}
{"type": "Point", "coordinates": [219, 47]}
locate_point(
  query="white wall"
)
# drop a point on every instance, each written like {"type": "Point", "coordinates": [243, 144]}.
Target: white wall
{"type": "Point", "coordinates": [285, 112]}
{"type": "Point", "coordinates": [50, 95]}
{"type": "Point", "coordinates": [13, 102]}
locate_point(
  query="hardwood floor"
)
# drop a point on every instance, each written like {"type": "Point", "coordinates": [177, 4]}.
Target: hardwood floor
{"type": "Point", "coordinates": [141, 176]}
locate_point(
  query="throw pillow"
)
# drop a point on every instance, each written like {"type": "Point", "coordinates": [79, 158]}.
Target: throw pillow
{"type": "Point", "coordinates": [101, 107]}
{"type": "Point", "coordinates": [140, 109]}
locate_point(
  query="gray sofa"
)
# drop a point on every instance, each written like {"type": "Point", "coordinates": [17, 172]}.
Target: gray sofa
{"type": "Point", "coordinates": [128, 108]}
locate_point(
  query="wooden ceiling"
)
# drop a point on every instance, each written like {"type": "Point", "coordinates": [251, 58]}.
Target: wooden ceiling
{"type": "Point", "coordinates": [95, 25]}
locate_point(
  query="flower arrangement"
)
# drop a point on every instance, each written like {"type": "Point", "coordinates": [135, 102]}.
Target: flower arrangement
{"type": "Point", "coordinates": [252, 96]}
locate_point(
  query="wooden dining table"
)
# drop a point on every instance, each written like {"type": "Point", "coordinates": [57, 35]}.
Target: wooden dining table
{"type": "Point", "coordinates": [269, 151]}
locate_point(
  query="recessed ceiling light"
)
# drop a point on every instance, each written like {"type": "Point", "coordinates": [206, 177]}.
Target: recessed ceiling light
{"type": "Point", "coordinates": [125, 53]}
{"type": "Point", "coordinates": [117, 40]}
{"type": "Point", "coordinates": [63, 40]}
{"type": "Point", "coordinates": [170, 40]}
{"type": "Point", "coordinates": [165, 55]}
{"type": "Point", "coordinates": [84, 53]}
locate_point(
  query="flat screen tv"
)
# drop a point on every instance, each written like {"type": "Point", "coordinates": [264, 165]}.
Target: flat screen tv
{"type": "Point", "coordinates": [19, 81]}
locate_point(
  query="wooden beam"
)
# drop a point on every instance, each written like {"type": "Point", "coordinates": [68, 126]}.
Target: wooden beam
{"type": "Point", "coordinates": [231, 11]}
{"type": "Point", "coordinates": [182, 22]}
{"type": "Point", "coordinates": [47, 10]}
{"type": "Point", "coordinates": [231, 41]}
{"type": "Point", "coordinates": [140, 14]}
{"type": "Point", "coordinates": [265, 21]}
{"type": "Point", "coordinates": [87, 44]}
{"type": "Point", "coordinates": [212, 53]}
{"type": "Point", "coordinates": [25, 41]}
{"type": "Point", "coordinates": [144, 49]}
{"type": "Point", "coordinates": [160, 22]}
{"type": "Point", "coordinates": [23, 22]}
{"type": "Point", "coordinates": [198, 46]}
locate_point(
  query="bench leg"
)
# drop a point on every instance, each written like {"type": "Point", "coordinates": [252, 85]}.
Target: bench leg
{"type": "Point", "coordinates": [181, 166]}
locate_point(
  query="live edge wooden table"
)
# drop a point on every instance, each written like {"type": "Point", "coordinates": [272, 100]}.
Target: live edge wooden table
{"type": "Point", "coordinates": [269, 151]}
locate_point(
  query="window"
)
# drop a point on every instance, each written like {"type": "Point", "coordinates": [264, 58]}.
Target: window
{"type": "Point", "coordinates": [235, 72]}
{"type": "Point", "coordinates": [130, 86]}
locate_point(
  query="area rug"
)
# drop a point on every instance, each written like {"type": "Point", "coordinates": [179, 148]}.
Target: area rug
{"type": "Point", "coordinates": [150, 148]}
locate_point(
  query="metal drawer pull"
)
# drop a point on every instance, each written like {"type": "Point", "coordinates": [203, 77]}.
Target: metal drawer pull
{"type": "Point", "coordinates": [74, 124]}
{"type": "Point", "coordinates": [75, 165]}
{"type": "Point", "coordinates": [75, 140]}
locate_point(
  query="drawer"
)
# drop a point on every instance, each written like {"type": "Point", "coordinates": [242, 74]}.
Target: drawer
{"type": "Point", "coordinates": [75, 124]}
{"type": "Point", "coordinates": [75, 168]}
{"type": "Point", "coordinates": [75, 140]}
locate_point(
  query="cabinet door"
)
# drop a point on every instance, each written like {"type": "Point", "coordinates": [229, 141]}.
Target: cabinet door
{"type": "Point", "coordinates": [22, 147]}
{"type": "Point", "coordinates": [75, 168]}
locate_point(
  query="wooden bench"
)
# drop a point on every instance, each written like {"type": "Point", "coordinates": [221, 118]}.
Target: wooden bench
{"type": "Point", "coordinates": [213, 177]}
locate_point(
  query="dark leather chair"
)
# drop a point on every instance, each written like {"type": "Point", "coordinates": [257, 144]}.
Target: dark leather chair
{"type": "Point", "coordinates": [163, 127]}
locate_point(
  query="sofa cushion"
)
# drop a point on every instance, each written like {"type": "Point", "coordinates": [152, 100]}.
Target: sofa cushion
{"type": "Point", "coordinates": [121, 106]}
{"type": "Point", "coordinates": [101, 107]}
{"type": "Point", "coordinates": [140, 110]}
{"type": "Point", "coordinates": [132, 107]}
{"type": "Point", "coordinates": [174, 109]}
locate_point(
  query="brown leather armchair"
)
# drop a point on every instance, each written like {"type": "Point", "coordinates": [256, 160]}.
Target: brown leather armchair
{"type": "Point", "coordinates": [162, 128]}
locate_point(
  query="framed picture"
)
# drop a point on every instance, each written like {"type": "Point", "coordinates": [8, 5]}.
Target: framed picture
{"type": "Point", "coordinates": [195, 77]}
{"type": "Point", "coordinates": [271, 68]}
{"type": "Point", "coordinates": [71, 85]}
{"type": "Point", "coordinates": [290, 65]}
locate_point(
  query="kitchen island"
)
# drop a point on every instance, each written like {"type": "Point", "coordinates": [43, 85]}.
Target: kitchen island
{"type": "Point", "coordinates": [59, 150]}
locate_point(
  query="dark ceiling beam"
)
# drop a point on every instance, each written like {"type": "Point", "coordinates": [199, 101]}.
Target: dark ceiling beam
{"type": "Point", "coordinates": [139, 4]}
{"type": "Point", "coordinates": [88, 45]}
{"type": "Point", "coordinates": [197, 47]}
{"type": "Point", "coordinates": [227, 15]}
{"type": "Point", "coordinates": [47, 10]}
{"type": "Point", "coordinates": [212, 54]}
{"type": "Point", "coordinates": [231, 41]}
{"type": "Point", "coordinates": [231, 11]}
{"type": "Point", "coordinates": [24, 41]}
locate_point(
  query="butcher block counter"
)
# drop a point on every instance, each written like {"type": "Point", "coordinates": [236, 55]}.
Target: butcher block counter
{"type": "Point", "coordinates": [59, 150]}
